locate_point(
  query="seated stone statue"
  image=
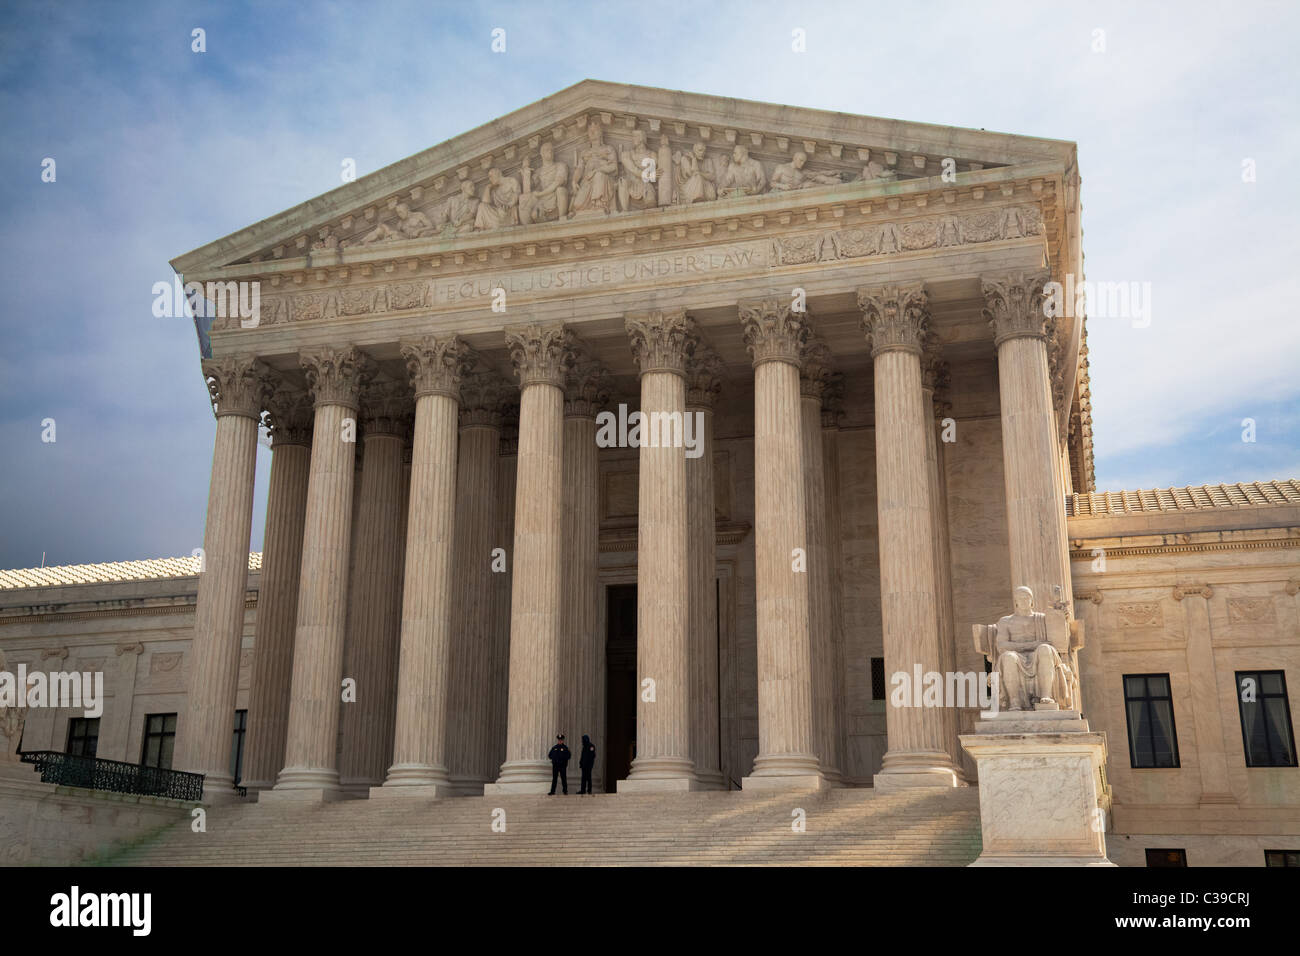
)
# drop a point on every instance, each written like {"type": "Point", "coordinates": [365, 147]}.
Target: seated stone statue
{"type": "Point", "coordinates": [1030, 651]}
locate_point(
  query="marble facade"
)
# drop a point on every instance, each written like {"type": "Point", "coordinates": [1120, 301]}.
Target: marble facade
{"type": "Point", "coordinates": [893, 431]}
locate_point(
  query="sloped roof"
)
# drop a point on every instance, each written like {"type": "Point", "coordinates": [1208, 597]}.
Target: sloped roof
{"type": "Point", "coordinates": [1198, 498]}
{"type": "Point", "coordinates": [111, 571]}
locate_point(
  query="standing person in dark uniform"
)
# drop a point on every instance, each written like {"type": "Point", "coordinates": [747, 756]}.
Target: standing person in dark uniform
{"type": "Point", "coordinates": [559, 764]}
{"type": "Point", "coordinates": [586, 762]}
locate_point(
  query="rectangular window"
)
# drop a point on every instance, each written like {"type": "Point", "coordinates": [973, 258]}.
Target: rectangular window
{"type": "Point", "coordinates": [1166, 857]}
{"type": "Point", "coordinates": [1152, 738]}
{"type": "Point", "coordinates": [159, 740]}
{"type": "Point", "coordinates": [877, 678]}
{"type": "Point", "coordinates": [83, 736]}
{"type": "Point", "coordinates": [1265, 719]}
{"type": "Point", "coordinates": [1282, 857]}
{"type": "Point", "coordinates": [237, 745]}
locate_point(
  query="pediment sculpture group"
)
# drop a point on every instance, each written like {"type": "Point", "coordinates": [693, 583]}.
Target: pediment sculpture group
{"type": "Point", "coordinates": [603, 181]}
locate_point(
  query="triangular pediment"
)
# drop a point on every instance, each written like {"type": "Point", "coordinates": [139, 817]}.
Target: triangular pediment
{"type": "Point", "coordinates": [693, 136]}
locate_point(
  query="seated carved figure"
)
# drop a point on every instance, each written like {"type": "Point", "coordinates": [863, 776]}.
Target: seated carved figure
{"type": "Point", "coordinates": [1033, 653]}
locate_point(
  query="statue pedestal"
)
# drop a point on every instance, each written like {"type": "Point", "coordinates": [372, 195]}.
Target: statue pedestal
{"type": "Point", "coordinates": [1042, 796]}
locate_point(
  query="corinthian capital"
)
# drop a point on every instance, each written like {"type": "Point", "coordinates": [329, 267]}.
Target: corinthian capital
{"type": "Point", "coordinates": [661, 341]}
{"type": "Point", "coordinates": [1013, 306]}
{"type": "Point", "coordinates": [895, 317]}
{"type": "Point", "coordinates": [386, 407]}
{"type": "Point", "coordinates": [541, 354]}
{"type": "Point", "coordinates": [238, 384]}
{"type": "Point", "coordinates": [773, 332]}
{"type": "Point", "coordinates": [335, 376]}
{"type": "Point", "coordinates": [482, 395]}
{"type": "Point", "coordinates": [815, 371]}
{"type": "Point", "coordinates": [703, 377]}
{"type": "Point", "coordinates": [436, 364]}
{"type": "Point", "coordinates": [586, 388]}
{"type": "Point", "coordinates": [289, 416]}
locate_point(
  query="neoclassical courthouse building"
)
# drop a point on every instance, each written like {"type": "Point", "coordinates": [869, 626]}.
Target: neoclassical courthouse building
{"type": "Point", "coordinates": [861, 430]}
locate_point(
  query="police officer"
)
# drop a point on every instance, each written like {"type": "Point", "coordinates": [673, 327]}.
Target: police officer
{"type": "Point", "coordinates": [559, 764]}
{"type": "Point", "coordinates": [586, 762]}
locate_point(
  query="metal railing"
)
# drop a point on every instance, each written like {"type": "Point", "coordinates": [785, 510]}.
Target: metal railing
{"type": "Point", "coordinates": [114, 776]}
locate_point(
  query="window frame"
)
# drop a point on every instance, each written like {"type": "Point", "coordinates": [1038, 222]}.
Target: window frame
{"type": "Point", "coordinates": [161, 735]}
{"type": "Point", "coordinates": [1259, 701]}
{"type": "Point", "coordinates": [75, 723]}
{"type": "Point", "coordinates": [1128, 720]}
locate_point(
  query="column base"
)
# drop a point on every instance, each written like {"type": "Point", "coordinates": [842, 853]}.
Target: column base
{"type": "Point", "coordinates": [304, 785]}
{"type": "Point", "coordinates": [521, 776]}
{"type": "Point", "coordinates": [395, 793]}
{"type": "Point", "coordinates": [916, 768]}
{"type": "Point", "coordinates": [416, 775]}
{"type": "Point", "coordinates": [784, 772]}
{"type": "Point", "coordinates": [834, 780]}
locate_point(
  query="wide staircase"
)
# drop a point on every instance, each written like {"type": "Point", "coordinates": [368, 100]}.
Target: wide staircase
{"type": "Point", "coordinates": [842, 828]}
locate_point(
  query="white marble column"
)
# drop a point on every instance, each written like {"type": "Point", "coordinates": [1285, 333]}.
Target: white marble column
{"type": "Point", "coordinates": [774, 336]}
{"type": "Point", "coordinates": [703, 384]}
{"type": "Point", "coordinates": [896, 319]}
{"type": "Point", "coordinates": [541, 355]}
{"type": "Point", "coordinates": [582, 656]}
{"type": "Point", "coordinates": [502, 580]}
{"type": "Point", "coordinates": [375, 602]}
{"type": "Point", "coordinates": [335, 377]}
{"type": "Point", "coordinates": [470, 752]}
{"type": "Point", "coordinates": [934, 389]}
{"type": "Point", "coordinates": [290, 419]}
{"type": "Point", "coordinates": [436, 366]}
{"type": "Point", "coordinates": [832, 408]}
{"type": "Point", "coordinates": [661, 342]}
{"type": "Point", "coordinates": [816, 375]}
{"type": "Point", "coordinates": [238, 385]}
{"type": "Point", "coordinates": [1030, 453]}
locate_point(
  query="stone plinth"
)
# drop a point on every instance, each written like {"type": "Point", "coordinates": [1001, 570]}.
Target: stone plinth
{"type": "Point", "coordinates": [1040, 800]}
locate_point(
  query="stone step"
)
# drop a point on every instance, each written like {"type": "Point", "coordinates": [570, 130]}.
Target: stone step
{"type": "Point", "coordinates": [844, 827]}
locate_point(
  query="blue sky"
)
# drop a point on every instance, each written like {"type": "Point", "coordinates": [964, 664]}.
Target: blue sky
{"type": "Point", "coordinates": [160, 150]}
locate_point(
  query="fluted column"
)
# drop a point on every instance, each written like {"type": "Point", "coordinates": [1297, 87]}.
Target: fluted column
{"type": "Point", "coordinates": [661, 343]}
{"type": "Point", "coordinates": [774, 336]}
{"type": "Point", "coordinates": [582, 655]}
{"type": "Point", "coordinates": [1035, 491]}
{"type": "Point", "coordinates": [502, 580]}
{"type": "Point", "coordinates": [335, 377]}
{"type": "Point", "coordinates": [541, 355]}
{"type": "Point", "coordinates": [238, 387]}
{"type": "Point", "coordinates": [832, 401]}
{"type": "Point", "coordinates": [896, 319]}
{"type": "Point", "coordinates": [375, 605]}
{"type": "Point", "coordinates": [289, 414]}
{"type": "Point", "coordinates": [470, 752]}
{"type": "Point", "coordinates": [816, 374]}
{"type": "Point", "coordinates": [703, 383]}
{"type": "Point", "coordinates": [934, 388]}
{"type": "Point", "coordinates": [436, 366]}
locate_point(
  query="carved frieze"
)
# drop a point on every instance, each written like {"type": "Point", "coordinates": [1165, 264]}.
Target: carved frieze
{"type": "Point", "coordinates": [1139, 614]}
{"type": "Point", "coordinates": [1251, 611]}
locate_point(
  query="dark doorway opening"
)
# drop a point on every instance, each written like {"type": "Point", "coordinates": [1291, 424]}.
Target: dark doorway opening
{"type": "Point", "coordinates": [620, 682]}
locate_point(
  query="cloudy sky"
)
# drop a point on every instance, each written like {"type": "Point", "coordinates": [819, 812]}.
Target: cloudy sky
{"type": "Point", "coordinates": [159, 150]}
